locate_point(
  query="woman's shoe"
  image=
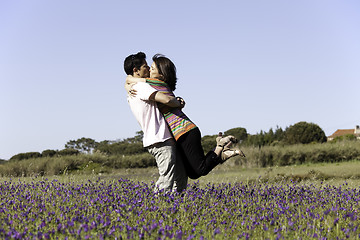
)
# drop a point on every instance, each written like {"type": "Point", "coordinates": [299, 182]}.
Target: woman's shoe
{"type": "Point", "coordinates": [229, 153]}
{"type": "Point", "coordinates": [222, 141]}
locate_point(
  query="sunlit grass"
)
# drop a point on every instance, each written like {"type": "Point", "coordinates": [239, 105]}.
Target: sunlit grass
{"type": "Point", "coordinates": [230, 172]}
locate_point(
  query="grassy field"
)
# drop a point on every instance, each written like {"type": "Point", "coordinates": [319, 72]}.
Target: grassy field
{"type": "Point", "coordinates": [326, 173]}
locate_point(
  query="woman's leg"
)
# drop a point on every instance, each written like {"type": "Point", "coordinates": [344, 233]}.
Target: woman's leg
{"type": "Point", "coordinates": [180, 175]}
{"type": "Point", "coordinates": [195, 161]}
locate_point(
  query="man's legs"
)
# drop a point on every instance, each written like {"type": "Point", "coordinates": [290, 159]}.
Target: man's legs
{"type": "Point", "coordinates": [165, 156]}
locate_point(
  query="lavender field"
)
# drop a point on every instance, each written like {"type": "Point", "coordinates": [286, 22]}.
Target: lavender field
{"type": "Point", "coordinates": [124, 209]}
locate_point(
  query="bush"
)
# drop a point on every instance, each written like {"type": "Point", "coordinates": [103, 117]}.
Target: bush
{"type": "Point", "coordinates": [299, 154]}
{"type": "Point", "coordinates": [303, 132]}
{"type": "Point", "coordinates": [123, 147]}
{"type": "Point", "coordinates": [22, 156]}
{"type": "Point", "coordinates": [239, 133]}
{"type": "Point", "coordinates": [208, 142]}
{"type": "Point", "coordinates": [48, 153]}
{"type": "Point", "coordinates": [68, 152]}
{"type": "Point", "coordinates": [347, 137]}
{"type": "Point", "coordinates": [81, 163]}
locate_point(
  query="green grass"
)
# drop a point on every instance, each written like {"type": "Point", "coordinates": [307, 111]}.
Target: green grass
{"type": "Point", "coordinates": [320, 173]}
{"type": "Point", "coordinates": [75, 164]}
{"type": "Point", "coordinates": [326, 173]}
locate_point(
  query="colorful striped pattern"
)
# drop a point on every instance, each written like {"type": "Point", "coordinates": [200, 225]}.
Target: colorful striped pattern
{"type": "Point", "coordinates": [178, 122]}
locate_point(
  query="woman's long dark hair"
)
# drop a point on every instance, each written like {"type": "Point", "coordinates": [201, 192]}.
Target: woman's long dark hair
{"type": "Point", "coordinates": [167, 69]}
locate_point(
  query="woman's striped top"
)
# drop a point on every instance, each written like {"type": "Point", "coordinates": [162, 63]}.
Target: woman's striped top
{"type": "Point", "coordinates": [178, 122]}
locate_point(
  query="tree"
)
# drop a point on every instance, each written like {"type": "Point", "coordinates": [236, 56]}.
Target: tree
{"type": "Point", "coordinates": [48, 153]}
{"type": "Point", "coordinates": [126, 146]}
{"type": "Point", "coordinates": [239, 133]}
{"type": "Point", "coordinates": [122, 147]}
{"type": "Point", "coordinates": [303, 132]}
{"type": "Point", "coordinates": [27, 155]}
{"type": "Point", "coordinates": [82, 144]}
{"type": "Point", "coordinates": [269, 137]}
{"type": "Point", "coordinates": [137, 139]}
{"type": "Point", "coordinates": [68, 152]}
{"type": "Point", "coordinates": [208, 142]}
{"type": "Point", "coordinates": [279, 134]}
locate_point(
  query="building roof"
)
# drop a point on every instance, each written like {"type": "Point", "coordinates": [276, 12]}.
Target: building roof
{"type": "Point", "coordinates": [342, 132]}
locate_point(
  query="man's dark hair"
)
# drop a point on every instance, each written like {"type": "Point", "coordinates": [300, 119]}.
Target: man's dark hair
{"type": "Point", "coordinates": [134, 61]}
{"type": "Point", "coordinates": [166, 68]}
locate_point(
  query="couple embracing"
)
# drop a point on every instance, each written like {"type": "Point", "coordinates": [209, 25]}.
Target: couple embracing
{"type": "Point", "coordinates": [169, 135]}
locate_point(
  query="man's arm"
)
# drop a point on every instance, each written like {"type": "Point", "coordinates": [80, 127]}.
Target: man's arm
{"type": "Point", "coordinates": [176, 102]}
{"type": "Point", "coordinates": [130, 81]}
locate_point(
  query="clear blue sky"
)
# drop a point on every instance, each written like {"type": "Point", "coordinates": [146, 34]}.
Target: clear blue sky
{"type": "Point", "coordinates": [252, 64]}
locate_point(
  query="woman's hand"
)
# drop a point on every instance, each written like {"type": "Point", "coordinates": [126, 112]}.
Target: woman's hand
{"type": "Point", "coordinates": [130, 82]}
{"type": "Point", "coordinates": [181, 101]}
{"type": "Point", "coordinates": [129, 89]}
{"type": "Point", "coordinates": [130, 79]}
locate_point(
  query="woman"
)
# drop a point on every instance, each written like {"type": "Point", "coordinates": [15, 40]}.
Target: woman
{"type": "Point", "coordinates": [186, 133]}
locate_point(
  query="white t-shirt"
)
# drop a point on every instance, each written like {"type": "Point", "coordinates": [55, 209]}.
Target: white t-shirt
{"type": "Point", "coordinates": [146, 112]}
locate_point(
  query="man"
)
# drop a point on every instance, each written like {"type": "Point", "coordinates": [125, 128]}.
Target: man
{"type": "Point", "coordinates": [157, 137]}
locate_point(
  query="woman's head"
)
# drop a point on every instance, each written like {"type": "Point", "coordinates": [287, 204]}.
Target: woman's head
{"type": "Point", "coordinates": [164, 69]}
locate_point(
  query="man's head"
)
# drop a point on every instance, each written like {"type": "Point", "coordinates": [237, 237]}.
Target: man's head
{"type": "Point", "coordinates": [136, 65]}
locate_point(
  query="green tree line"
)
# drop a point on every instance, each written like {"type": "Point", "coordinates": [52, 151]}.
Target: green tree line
{"type": "Point", "coordinates": [299, 133]}
{"type": "Point", "coordinates": [298, 144]}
